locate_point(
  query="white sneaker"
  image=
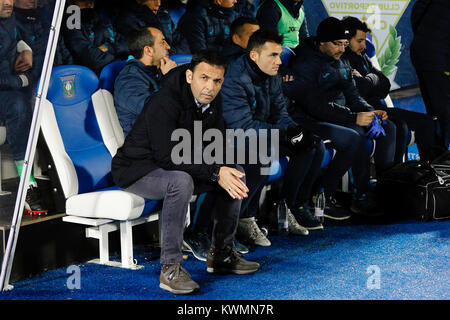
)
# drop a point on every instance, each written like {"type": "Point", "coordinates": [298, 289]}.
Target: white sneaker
{"type": "Point", "coordinates": [250, 233]}
{"type": "Point", "coordinates": [294, 227]}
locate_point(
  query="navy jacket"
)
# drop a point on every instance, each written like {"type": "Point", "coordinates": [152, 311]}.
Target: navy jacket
{"type": "Point", "coordinates": [35, 30]}
{"type": "Point", "coordinates": [323, 87]}
{"type": "Point", "coordinates": [9, 36]}
{"type": "Point", "coordinates": [373, 85]}
{"type": "Point", "coordinates": [252, 99]}
{"type": "Point", "coordinates": [83, 43]}
{"type": "Point", "coordinates": [232, 51]}
{"type": "Point", "coordinates": [430, 48]}
{"type": "Point", "coordinates": [148, 146]}
{"type": "Point", "coordinates": [139, 16]}
{"type": "Point", "coordinates": [133, 88]}
{"type": "Point", "coordinates": [206, 26]}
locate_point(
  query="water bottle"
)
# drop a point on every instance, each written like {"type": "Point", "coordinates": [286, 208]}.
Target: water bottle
{"type": "Point", "coordinates": [282, 215]}
{"type": "Point", "coordinates": [319, 206]}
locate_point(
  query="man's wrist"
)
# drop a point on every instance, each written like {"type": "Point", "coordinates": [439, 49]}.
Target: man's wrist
{"type": "Point", "coordinates": [215, 174]}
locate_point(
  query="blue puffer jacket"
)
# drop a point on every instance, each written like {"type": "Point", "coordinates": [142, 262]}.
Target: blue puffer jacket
{"type": "Point", "coordinates": [140, 16]}
{"type": "Point", "coordinates": [35, 31]}
{"type": "Point", "coordinates": [323, 87]}
{"type": "Point", "coordinates": [83, 43]}
{"type": "Point", "coordinates": [133, 88]}
{"type": "Point", "coordinates": [9, 36]}
{"type": "Point", "coordinates": [252, 99]}
{"type": "Point", "coordinates": [206, 26]}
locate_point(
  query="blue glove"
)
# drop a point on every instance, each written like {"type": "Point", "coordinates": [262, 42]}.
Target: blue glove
{"type": "Point", "coordinates": [375, 128]}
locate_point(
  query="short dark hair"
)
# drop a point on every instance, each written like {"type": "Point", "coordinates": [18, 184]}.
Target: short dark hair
{"type": "Point", "coordinates": [353, 24]}
{"type": "Point", "coordinates": [210, 57]}
{"type": "Point", "coordinates": [261, 36]}
{"type": "Point", "coordinates": [237, 24]}
{"type": "Point", "coordinates": [139, 39]}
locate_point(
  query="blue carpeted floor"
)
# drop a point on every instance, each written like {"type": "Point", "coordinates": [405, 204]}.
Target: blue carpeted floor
{"type": "Point", "coordinates": [412, 258]}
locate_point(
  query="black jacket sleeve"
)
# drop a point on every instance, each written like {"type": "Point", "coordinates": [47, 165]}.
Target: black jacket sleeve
{"type": "Point", "coordinates": [418, 11]}
{"type": "Point", "coordinates": [308, 95]}
{"type": "Point", "coordinates": [268, 15]}
{"type": "Point", "coordinates": [193, 29]}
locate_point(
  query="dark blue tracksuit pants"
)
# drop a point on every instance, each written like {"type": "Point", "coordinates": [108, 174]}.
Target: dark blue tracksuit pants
{"type": "Point", "coordinates": [15, 115]}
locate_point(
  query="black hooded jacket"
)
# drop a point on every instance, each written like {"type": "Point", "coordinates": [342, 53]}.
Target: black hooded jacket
{"type": "Point", "coordinates": [206, 26]}
{"type": "Point", "coordinates": [373, 85]}
{"type": "Point", "coordinates": [323, 87]}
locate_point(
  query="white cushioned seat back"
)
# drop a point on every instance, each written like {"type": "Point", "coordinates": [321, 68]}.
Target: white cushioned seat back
{"type": "Point", "coordinates": [63, 164]}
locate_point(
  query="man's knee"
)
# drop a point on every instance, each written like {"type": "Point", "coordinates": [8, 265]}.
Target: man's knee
{"type": "Point", "coordinates": [180, 181]}
{"type": "Point", "coordinates": [19, 106]}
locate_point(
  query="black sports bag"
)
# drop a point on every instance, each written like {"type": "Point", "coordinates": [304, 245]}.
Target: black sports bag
{"type": "Point", "coordinates": [416, 189]}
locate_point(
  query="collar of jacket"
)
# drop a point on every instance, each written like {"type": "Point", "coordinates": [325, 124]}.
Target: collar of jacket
{"type": "Point", "coordinates": [292, 6]}
{"type": "Point", "coordinates": [89, 15]}
{"type": "Point", "coordinates": [26, 14]}
{"type": "Point", "coordinates": [254, 71]}
{"type": "Point", "coordinates": [151, 70]}
{"type": "Point", "coordinates": [219, 11]}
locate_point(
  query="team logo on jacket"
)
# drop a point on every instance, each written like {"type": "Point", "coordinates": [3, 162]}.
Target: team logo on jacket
{"type": "Point", "coordinates": [68, 84]}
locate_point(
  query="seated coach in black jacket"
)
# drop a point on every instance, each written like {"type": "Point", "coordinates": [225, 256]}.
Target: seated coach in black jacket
{"type": "Point", "coordinates": [148, 166]}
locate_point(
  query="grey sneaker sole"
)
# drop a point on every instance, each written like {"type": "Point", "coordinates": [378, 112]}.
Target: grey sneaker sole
{"type": "Point", "coordinates": [175, 291]}
{"type": "Point", "coordinates": [315, 228]}
{"type": "Point", "coordinates": [224, 270]}
{"type": "Point", "coordinates": [189, 249]}
{"type": "Point", "coordinates": [262, 244]}
{"type": "Point", "coordinates": [298, 233]}
{"type": "Point", "coordinates": [336, 218]}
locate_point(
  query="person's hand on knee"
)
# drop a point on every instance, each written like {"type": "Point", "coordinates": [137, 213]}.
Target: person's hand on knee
{"type": "Point", "coordinates": [230, 181]}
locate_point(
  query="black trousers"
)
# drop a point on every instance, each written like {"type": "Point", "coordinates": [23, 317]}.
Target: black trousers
{"type": "Point", "coordinates": [435, 89]}
{"type": "Point", "coordinates": [423, 127]}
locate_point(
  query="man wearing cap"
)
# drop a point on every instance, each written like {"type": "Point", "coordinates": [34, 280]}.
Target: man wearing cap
{"type": "Point", "coordinates": [328, 103]}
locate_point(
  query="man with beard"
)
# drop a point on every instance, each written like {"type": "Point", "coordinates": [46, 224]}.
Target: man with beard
{"type": "Point", "coordinates": [323, 90]}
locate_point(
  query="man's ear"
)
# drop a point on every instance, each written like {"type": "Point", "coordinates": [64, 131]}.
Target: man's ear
{"type": "Point", "coordinates": [253, 55]}
{"type": "Point", "coordinates": [189, 75]}
{"type": "Point", "coordinates": [235, 39]}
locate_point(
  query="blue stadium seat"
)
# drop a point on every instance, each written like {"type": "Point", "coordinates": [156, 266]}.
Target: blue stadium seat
{"type": "Point", "coordinates": [109, 74]}
{"type": "Point", "coordinates": [79, 132]}
{"type": "Point", "coordinates": [278, 168]}
{"type": "Point", "coordinates": [181, 58]}
{"type": "Point", "coordinates": [327, 157]}
{"type": "Point", "coordinates": [286, 55]}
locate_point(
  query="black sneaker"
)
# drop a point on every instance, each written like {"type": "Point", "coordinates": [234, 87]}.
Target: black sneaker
{"type": "Point", "coordinates": [334, 210]}
{"type": "Point", "coordinates": [174, 278]}
{"type": "Point", "coordinates": [33, 202]}
{"type": "Point", "coordinates": [228, 260]}
{"type": "Point", "coordinates": [198, 243]}
{"type": "Point", "coordinates": [365, 204]}
{"type": "Point", "coordinates": [306, 218]}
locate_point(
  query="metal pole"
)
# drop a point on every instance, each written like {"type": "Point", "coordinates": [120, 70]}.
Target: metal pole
{"type": "Point", "coordinates": [31, 146]}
